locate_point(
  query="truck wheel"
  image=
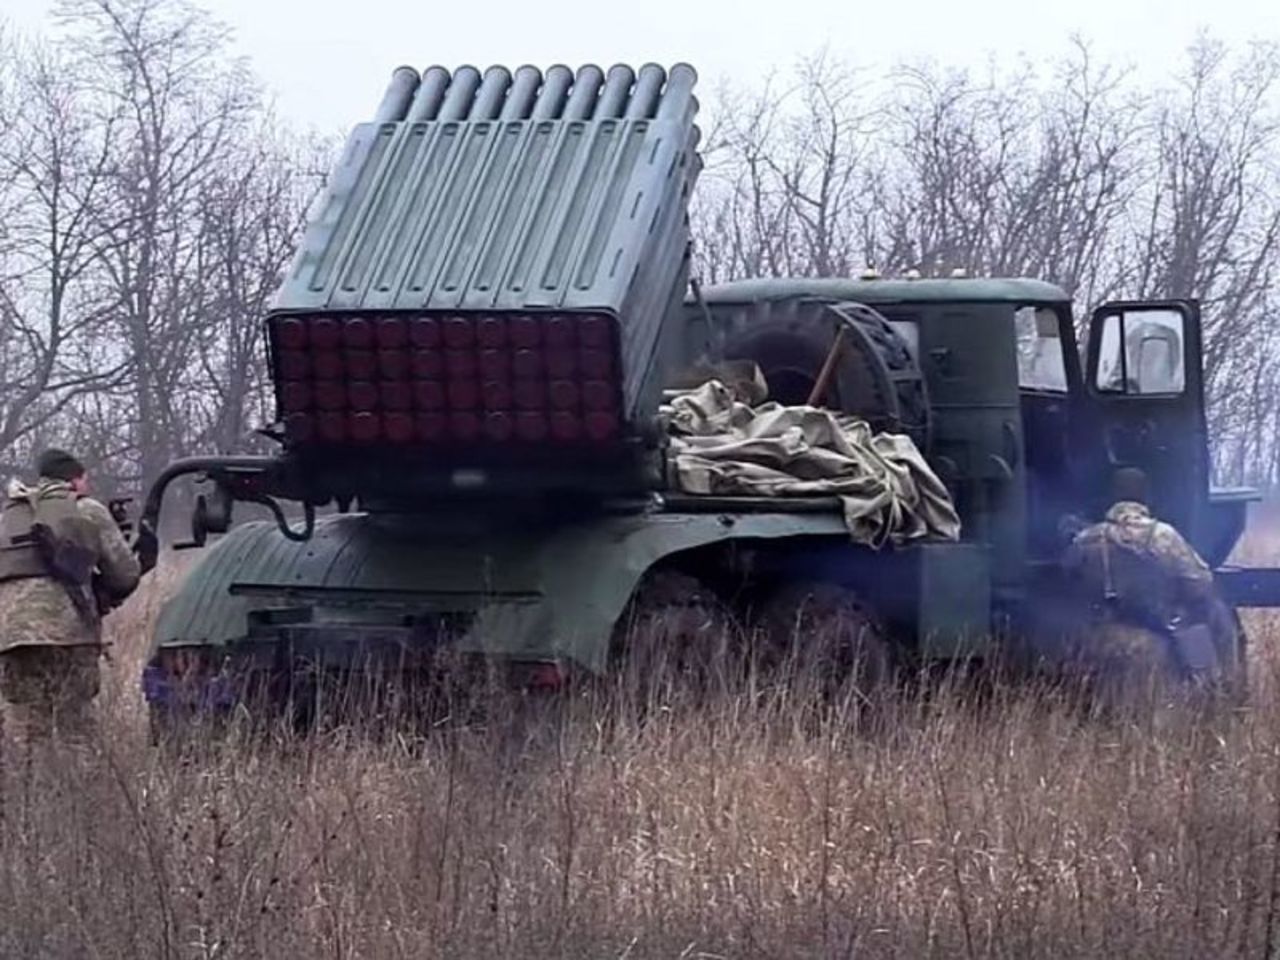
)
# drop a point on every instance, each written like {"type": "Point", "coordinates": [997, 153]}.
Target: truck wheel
{"type": "Point", "coordinates": [876, 377]}
{"type": "Point", "coordinates": [675, 633]}
{"type": "Point", "coordinates": [826, 634]}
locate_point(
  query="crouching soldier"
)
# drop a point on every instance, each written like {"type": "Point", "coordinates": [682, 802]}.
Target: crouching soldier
{"type": "Point", "coordinates": [63, 561]}
{"type": "Point", "coordinates": [1157, 613]}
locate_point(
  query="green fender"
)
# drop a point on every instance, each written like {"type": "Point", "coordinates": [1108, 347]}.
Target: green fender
{"type": "Point", "coordinates": [549, 593]}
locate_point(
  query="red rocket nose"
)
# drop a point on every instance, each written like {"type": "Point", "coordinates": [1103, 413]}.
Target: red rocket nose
{"type": "Point", "coordinates": [522, 379]}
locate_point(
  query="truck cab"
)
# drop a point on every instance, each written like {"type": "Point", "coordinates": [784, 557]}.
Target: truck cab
{"type": "Point", "coordinates": [1025, 423]}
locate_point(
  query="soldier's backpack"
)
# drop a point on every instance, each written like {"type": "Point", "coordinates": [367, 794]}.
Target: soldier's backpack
{"type": "Point", "coordinates": [1135, 588]}
{"type": "Point", "coordinates": [44, 534]}
{"type": "Point", "coordinates": [1127, 578]}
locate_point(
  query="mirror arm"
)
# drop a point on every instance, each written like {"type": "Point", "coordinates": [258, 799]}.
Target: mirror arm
{"type": "Point", "coordinates": [282, 522]}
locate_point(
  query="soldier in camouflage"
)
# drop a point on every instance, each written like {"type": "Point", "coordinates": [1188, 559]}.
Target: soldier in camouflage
{"type": "Point", "coordinates": [50, 628]}
{"type": "Point", "coordinates": [1157, 614]}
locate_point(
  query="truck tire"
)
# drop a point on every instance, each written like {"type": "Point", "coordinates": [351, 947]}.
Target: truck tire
{"type": "Point", "coordinates": [675, 633]}
{"type": "Point", "coordinates": [826, 634]}
{"type": "Point", "coordinates": [876, 377]}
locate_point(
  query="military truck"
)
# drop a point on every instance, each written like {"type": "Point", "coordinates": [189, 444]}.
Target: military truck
{"type": "Point", "coordinates": [470, 355]}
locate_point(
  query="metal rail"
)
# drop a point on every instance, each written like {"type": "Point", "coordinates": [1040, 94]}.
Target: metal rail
{"type": "Point", "coordinates": [222, 471]}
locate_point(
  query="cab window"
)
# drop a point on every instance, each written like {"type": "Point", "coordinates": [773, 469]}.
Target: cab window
{"type": "Point", "coordinates": [1041, 362]}
{"type": "Point", "coordinates": [1142, 354]}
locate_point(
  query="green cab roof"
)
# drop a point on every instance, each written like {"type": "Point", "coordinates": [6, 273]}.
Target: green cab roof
{"type": "Point", "coordinates": [888, 290]}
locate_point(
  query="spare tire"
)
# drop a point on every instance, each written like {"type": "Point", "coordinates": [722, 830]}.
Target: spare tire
{"type": "Point", "coordinates": [876, 377]}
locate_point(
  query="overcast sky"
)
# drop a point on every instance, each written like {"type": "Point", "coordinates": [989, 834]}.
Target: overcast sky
{"type": "Point", "coordinates": [327, 61]}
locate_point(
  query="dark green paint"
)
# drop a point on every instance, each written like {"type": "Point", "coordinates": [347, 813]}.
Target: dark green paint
{"type": "Point", "coordinates": [888, 290]}
{"type": "Point", "coordinates": [541, 593]}
{"type": "Point", "coordinates": [953, 601]}
{"type": "Point", "coordinates": [536, 211]}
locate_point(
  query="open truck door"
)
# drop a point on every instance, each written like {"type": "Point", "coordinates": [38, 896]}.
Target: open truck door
{"type": "Point", "coordinates": [1145, 375]}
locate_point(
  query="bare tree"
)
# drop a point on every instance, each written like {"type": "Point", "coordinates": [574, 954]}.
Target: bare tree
{"type": "Point", "coordinates": [251, 215]}
{"type": "Point", "coordinates": [183, 104]}
{"type": "Point", "coordinates": [1211, 222]}
{"type": "Point", "coordinates": [1072, 173]}
{"type": "Point", "coordinates": [149, 203]}
{"type": "Point", "coordinates": [56, 160]}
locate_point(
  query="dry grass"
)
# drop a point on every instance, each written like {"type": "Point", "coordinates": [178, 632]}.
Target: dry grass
{"type": "Point", "coordinates": [1010, 827]}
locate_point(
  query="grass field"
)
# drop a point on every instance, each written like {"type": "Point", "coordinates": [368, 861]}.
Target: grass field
{"type": "Point", "coordinates": [953, 826]}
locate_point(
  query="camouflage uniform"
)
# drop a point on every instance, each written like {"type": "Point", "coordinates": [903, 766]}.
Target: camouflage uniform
{"type": "Point", "coordinates": [1140, 577]}
{"type": "Point", "coordinates": [1131, 526]}
{"type": "Point", "coordinates": [49, 651]}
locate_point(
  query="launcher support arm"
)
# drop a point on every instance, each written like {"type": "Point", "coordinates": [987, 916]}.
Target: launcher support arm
{"type": "Point", "coordinates": [244, 478]}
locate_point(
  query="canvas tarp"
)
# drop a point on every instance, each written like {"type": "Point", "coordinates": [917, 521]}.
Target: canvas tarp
{"type": "Point", "coordinates": [722, 447]}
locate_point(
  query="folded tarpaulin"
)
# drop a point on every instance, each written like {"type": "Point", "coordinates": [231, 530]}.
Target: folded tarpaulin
{"type": "Point", "coordinates": [721, 447]}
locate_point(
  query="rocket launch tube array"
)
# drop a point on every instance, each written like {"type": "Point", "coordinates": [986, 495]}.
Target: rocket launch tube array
{"type": "Point", "coordinates": [529, 94]}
